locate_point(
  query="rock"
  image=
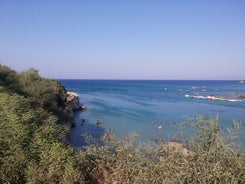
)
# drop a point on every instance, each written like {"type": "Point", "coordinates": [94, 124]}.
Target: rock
{"type": "Point", "coordinates": [177, 147]}
{"type": "Point", "coordinates": [73, 104]}
{"type": "Point", "coordinates": [82, 122]}
{"type": "Point", "coordinates": [83, 107]}
{"type": "Point", "coordinates": [241, 96]}
{"type": "Point", "coordinates": [98, 122]}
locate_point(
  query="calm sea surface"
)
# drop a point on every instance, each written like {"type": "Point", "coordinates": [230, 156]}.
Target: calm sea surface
{"type": "Point", "coordinates": [153, 109]}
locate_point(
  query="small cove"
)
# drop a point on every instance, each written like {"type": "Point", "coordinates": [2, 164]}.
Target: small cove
{"type": "Point", "coordinates": [142, 106]}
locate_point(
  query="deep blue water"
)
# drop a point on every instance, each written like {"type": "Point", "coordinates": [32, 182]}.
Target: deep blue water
{"type": "Point", "coordinates": [143, 105]}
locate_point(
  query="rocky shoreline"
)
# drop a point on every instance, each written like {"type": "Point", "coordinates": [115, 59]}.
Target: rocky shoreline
{"type": "Point", "coordinates": [72, 105]}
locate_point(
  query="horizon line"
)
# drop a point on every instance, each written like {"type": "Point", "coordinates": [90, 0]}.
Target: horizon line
{"type": "Point", "coordinates": [151, 79]}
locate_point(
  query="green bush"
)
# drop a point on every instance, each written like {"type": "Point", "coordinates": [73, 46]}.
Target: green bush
{"type": "Point", "coordinates": [213, 158]}
{"type": "Point", "coordinates": [31, 150]}
{"type": "Point", "coordinates": [9, 79]}
{"type": "Point", "coordinates": [46, 93]}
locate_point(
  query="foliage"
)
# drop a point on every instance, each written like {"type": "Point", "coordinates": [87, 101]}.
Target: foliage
{"type": "Point", "coordinates": [30, 136]}
{"type": "Point", "coordinates": [9, 79]}
{"type": "Point", "coordinates": [46, 93]}
{"type": "Point", "coordinates": [31, 149]}
{"type": "Point", "coordinates": [212, 159]}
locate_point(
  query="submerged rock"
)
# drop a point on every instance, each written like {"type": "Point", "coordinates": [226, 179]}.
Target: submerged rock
{"type": "Point", "coordinates": [98, 122]}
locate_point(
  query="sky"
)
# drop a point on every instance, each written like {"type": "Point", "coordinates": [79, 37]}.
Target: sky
{"type": "Point", "coordinates": [125, 39]}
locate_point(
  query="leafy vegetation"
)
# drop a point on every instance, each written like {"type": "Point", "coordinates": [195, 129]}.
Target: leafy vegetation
{"type": "Point", "coordinates": [30, 136]}
{"type": "Point", "coordinates": [31, 149]}
{"type": "Point", "coordinates": [46, 93]}
{"type": "Point", "coordinates": [9, 79]}
{"type": "Point", "coordinates": [213, 158]}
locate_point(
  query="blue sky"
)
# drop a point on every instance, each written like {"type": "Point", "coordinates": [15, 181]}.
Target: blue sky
{"type": "Point", "coordinates": [129, 39]}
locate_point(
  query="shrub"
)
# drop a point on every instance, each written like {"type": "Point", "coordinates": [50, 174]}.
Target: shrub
{"type": "Point", "coordinates": [213, 159]}
{"type": "Point", "coordinates": [46, 93]}
{"type": "Point", "coordinates": [9, 79]}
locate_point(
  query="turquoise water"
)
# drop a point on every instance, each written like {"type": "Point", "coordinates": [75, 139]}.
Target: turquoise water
{"type": "Point", "coordinates": [143, 106]}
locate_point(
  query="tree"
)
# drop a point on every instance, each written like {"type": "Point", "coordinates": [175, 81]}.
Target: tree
{"type": "Point", "coordinates": [46, 93]}
{"type": "Point", "coordinates": [9, 79]}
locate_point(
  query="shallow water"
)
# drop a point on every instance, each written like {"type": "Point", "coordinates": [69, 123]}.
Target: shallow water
{"type": "Point", "coordinates": [142, 106]}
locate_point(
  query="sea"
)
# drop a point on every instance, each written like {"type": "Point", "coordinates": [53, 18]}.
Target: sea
{"type": "Point", "coordinates": [152, 109]}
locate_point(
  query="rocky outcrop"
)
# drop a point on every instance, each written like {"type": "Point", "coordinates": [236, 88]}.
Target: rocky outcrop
{"type": "Point", "coordinates": [73, 104]}
{"type": "Point", "coordinates": [73, 101]}
{"type": "Point", "coordinates": [241, 96]}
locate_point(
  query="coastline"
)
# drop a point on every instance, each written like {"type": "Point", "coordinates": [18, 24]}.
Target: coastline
{"type": "Point", "coordinates": [72, 105]}
{"type": "Point", "coordinates": [121, 105]}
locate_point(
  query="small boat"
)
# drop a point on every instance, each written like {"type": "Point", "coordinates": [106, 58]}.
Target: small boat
{"type": "Point", "coordinates": [241, 82]}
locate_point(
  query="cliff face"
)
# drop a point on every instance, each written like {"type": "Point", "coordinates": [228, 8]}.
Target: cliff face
{"type": "Point", "coordinates": [73, 102]}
